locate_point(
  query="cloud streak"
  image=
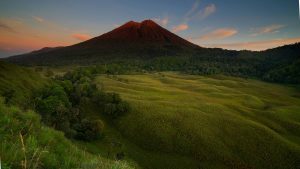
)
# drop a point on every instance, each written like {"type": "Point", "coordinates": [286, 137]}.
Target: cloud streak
{"type": "Point", "coordinates": [38, 19]}
{"type": "Point", "coordinates": [162, 21]}
{"type": "Point", "coordinates": [180, 27]}
{"type": "Point", "coordinates": [256, 45]}
{"type": "Point", "coordinates": [195, 13]}
{"type": "Point", "coordinates": [192, 11]}
{"type": "Point", "coordinates": [267, 30]}
{"type": "Point", "coordinates": [5, 27]}
{"type": "Point", "coordinates": [217, 34]}
{"type": "Point", "coordinates": [81, 37]}
{"type": "Point", "coordinates": [207, 11]}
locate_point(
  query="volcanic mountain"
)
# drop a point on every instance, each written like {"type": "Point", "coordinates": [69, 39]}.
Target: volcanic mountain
{"type": "Point", "coordinates": [131, 40]}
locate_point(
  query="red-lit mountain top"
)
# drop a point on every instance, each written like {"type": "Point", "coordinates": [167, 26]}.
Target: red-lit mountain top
{"type": "Point", "coordinates": [143, 32]}
{"type": "Point", "coordinates": [131, 40]}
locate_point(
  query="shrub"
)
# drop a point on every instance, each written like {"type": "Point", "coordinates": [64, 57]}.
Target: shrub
{"type": "Point", "coordinates": [89, 130]}
{"type": "Point", "coordinates": [111, 104]}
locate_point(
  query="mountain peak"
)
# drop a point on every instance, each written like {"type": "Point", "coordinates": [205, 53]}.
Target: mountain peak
{"type": "Point", "coordinates": [130, 24]}
{"type": "Point", "coordinates": [137, 25]}
{"type": "Point", "coordinates": [146, 31]}
{"type": "Point", "coordinates": [149, 23]}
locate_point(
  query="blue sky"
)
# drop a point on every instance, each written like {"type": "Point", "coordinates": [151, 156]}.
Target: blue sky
{"type": "Point", "coordinates": [27, 25]}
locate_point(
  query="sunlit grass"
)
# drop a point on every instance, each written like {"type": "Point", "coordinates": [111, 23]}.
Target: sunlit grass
{"type": "Point", "coordinates": [232, 121]}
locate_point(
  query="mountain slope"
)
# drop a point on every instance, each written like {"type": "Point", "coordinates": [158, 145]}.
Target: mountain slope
{"type": "Point", "coordinates": [131, 40]}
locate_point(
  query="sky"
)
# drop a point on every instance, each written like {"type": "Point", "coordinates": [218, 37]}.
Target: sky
{"type": "Point", "coordinates": [27, 25]}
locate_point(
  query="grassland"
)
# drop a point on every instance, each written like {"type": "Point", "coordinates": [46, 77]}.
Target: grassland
{"type": "Point", "coordinates": [206, 122]}
{"type": "Point", "coordinates": [21, 82]}
{"type": "Point", "coordinates": [176, 121]}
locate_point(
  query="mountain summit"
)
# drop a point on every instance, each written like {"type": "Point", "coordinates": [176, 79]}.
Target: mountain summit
{"type": "Point", "coordinates": [146, 31]}
{"type": "Point", "coordinates": [144, 39]}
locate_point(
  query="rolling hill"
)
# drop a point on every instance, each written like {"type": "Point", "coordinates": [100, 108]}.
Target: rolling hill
{"type": "Point", "coordinates": [219, 121]}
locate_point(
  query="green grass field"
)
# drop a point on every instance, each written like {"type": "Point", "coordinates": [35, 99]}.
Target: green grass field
{"type": "Point", "coordinates": [207, 122]}
{"type": "Point", "coordinates": [177, 121]}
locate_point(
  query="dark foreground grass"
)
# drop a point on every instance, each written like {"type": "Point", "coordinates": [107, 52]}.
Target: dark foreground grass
{"type": "Point", "coordinates": [218, 122]}
{"type": "Point", "coordinates": [28, 144]}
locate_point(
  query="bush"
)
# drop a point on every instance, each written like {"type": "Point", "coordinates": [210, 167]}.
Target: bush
{"type": "Point", "coordinates": [111, 104]}
{"type": "Point", "coordinates": [89, 130]}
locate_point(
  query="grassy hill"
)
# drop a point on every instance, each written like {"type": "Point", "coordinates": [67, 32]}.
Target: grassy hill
{"type": "Point", "coordinates": [219, 121]}
{"type": "Point", "coordinates": [19, 82]}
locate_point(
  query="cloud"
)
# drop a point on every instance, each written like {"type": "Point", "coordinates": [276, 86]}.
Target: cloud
{"type": "Point", "coordinates": [6, 27]}
{"type": "Point", "coordinates": [194, 12]}
{"type": "Point", "coordinates": [81, 37]}
{"type": "Point", "coordinates": [256, 45]}
{"type": "Point", "coordinates": [207, 11]}
{"type": "Point", "coordinates": [38, 19]}
{"type": "Point", "coordinates": [267, 29]}
{"type": "Point", "coordinates": [28, 37]}
{"type": "Point", "coordinates": [218, 34]}
{"type": "Point", "coordinates": [162, 21]}
{"type": "Point", "coordinates": [180, 27]}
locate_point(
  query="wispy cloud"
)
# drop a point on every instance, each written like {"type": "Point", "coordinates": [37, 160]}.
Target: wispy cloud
{"type": "Point", "coordinates": [192, 11]}
{"type": "Point", "coordinates": [256, 45]}
{"type": "Point", "coordinates": [6, 27]}
{"type": "Point", "coordinates": [196, 13]}
{"type": "Point", "coordinates": [180, 27]}
{"type": "Point", "coordinates": [217, 34]}
{"type": "Point", "coordinates": [267, 30]}
{"type": "Point", "coordinates": [38, 19]}
{"type": "Point", "coordinates": [207, 11]}
{"type": "Point", "coordinates": [162, 21]}
{"type": "Point", "coordinates": [26, 37]}
{"type": "Point", "coordinates": [81, 37]}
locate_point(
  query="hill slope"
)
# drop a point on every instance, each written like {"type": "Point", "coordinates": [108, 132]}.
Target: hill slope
{"type": "Point", "coordinates": [18, 83]}
{"type": "Point", "coordinates": [222, 122]}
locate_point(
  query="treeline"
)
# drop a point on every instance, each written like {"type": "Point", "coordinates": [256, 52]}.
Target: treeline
{"type": "Point", "coordinates": [281, 65]}
{"type": "Point", "coordinates": [59, 104]}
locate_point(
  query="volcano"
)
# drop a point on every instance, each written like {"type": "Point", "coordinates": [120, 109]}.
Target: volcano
{"type": "Point", "coordinates": [137, 40]}
{"type": "Point", "coordinates": [135, 32]}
